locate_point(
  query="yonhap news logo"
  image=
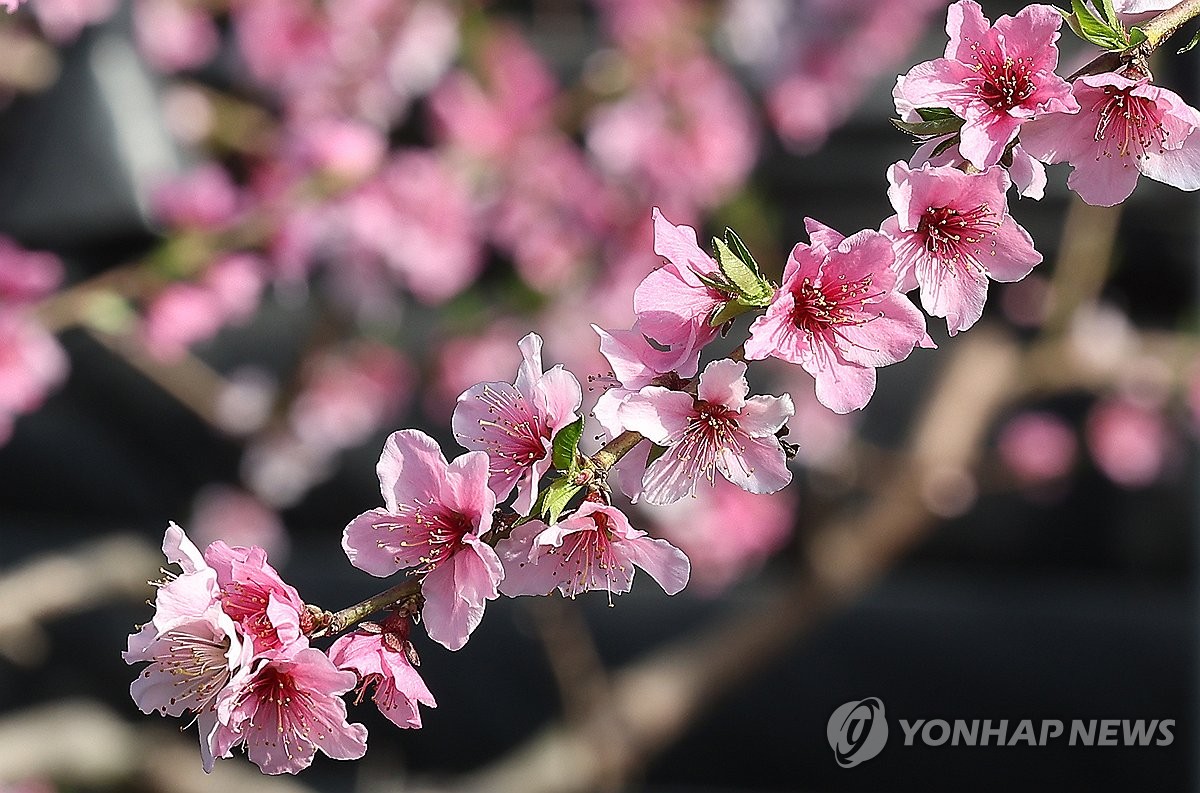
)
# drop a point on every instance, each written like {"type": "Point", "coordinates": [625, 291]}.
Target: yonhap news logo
{"type": "Point", "coordinates": [858, 730]}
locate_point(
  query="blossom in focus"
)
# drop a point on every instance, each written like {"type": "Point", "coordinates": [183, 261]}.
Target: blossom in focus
{"type": "Point", "coordinates": [434, 518]}
{"type": "Point", "coordinates": [379, 655]}
{"type": "Point", "coordinates": [192, 646]}
{"type": "Point", "coordinates": [287, 708]}
{"type": "Point", "coordinates": [995, 77]}
{"type": "Point", "coordinates": [595, 548]}
{"type": "Point", "coordinates": [717, 430]}
{"type": "Point", "coordinates": [673, 304]}
{"type": "Point", "coordinates": [267, 610]}
{"type": "Point", "coordinates": [516, 423]}
{"type": "Point", "coordinates": [952, 232]}
{"type": "Point", "coordinates": [1126, 128]}
{"type": "Point", "coordinates": [839, 316]}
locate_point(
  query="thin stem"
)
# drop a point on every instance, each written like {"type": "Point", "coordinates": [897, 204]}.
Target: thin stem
{"type": "Point", "coordinates": [328, 624]}
{"type": "Point", "coordinates": [615, 449]}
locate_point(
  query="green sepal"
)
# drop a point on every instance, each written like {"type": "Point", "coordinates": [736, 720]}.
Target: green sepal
{"type": "Point", "coordinates": [1137, 37]}
{"type": "Point", "coordinates": [734, 308]}
{"type": "Point", "coordinates": [931, 128]}
{"type": "Point", "coordinates": [566, 442]}
{"type": "Point", "coordinates": [748, 285]}
{"type": "Point", "coordinates": [554, 499]}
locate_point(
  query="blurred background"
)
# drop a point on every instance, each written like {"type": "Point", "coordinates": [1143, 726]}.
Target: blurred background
{"type": "Point", "coordinates": [244, 240]}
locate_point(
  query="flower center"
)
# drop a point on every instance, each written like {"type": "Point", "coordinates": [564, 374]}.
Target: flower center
{"type": "Point", "coordinates": [839, 303]}
{"type": "Point", "coordinates": [1133, 123]}
{"type": "Point", "coordinates": [443, 530]}
{"type": "Point", "coordinates": [954, 236]}
{"type": "Point", "coordinates": [198, 665]}
{"type": "Point", "coordinates": [515, 434]}
{"type": "Point", "coordinates": [282, 709]}
{"type": "Point", "coordinates": [592, 557]}
{"type": "Point", "coordinates": [246, 604]}
{"type": "Point", "coordinates": [1004, 82]}
{"type": "Point", "coordinates": [710, 429]}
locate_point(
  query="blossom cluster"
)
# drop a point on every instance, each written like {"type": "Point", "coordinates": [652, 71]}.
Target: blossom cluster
{"type": "Point", "coordinates": [525, 509]}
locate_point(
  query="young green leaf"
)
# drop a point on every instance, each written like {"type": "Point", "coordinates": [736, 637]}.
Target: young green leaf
{"type": "Point", "coordinates": [749, 284]}
{"type": "Point", "coordinates": [740, 250]}
{"type": "Point", "coordinates": [734, 308]}
{"type": "Point", "coordinates": [554, 499]}
{"type": "Point", "coordinates": [929, 129]}
{"type": "Point", "coordinates": [1095, 30]}
{"type": "Point", "coordinates": [936, 113]}
{"type": "Point", "coordinates": [1110, 14]}
{"type": "Point", "coordinates": [566, 442]}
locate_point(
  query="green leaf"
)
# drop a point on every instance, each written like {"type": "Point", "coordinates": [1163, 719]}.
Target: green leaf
{"type": "Point", "coordinates": [740, 250]}
{"type": "Point", "coordinates": [749, 284]}
{"type": "Point", "coordinates": [935, 113]}
{"type": "Point", "coordinates": [1095, 30]}
{"type": "Point", "coordinates": [717, 282]}
{"type": "Point", "coordinates": [929, 129]}
{"type": "Point", "coordinates": [1110, 14]}
{"type": "Point", "coordinates": [1195, 40]}
{"type": "Point", "coordinates": [1137, 37]}
{"type": "Point", "coordinates": [566, 441]}
{"type": "Point", "coordinates": [554, 499]}
{"type": "Point", "coordinates": [656, 451]}
{"type": "Point", "coordinates": [734, 308]}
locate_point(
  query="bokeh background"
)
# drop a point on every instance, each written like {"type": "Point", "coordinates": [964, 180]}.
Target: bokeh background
{"type": "Point", "coordinates": [243, 241]}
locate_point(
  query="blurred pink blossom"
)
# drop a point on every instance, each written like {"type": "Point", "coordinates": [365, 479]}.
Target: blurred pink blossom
{"type": "Point", "coordinates": [1037, 447]}
{"type": "Point", "coordinates": [347, 150]}
{"type": "Point", "coordinates": [418, 217]}
{"type": "Point", "coordinates": [204, 198]}
{"type": "Point", "coordinates": [349, 394]}
{"type": "Point", "coordinates": [31, 363]}
{"type": "Point", "coordinates": [489, 122]}
{"type": "Point", "coordinates": [221, 512]}
{"type": "Point", "coordinates": [174, 35]}
{"type": "Point", "coordinates": [726, 532]}
{"type": "Point", "coordinates": [364, 59]}
{"type": "Point", "coordinates": [188, 312]}
{"type": "Point", "coordinates": [1128, 441]}
{"type": "Point", "coordinates": [26, 276]}
{"type": "Point", "coordinates": [684, 136]}
{"type": "Point", "coordinates": [64, 20]}
{"type": "Point", "coordinates": [462, 361]}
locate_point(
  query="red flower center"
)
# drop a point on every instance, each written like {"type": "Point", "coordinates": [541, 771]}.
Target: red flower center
{"type": "Point", "coordinates": [954, 236]}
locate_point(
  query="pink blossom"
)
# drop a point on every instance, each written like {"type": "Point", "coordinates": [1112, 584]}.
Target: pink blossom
{"type": "Point", "coordinates": [349, 394]}
{"type": "Point", "coordinates": [64, 20]}
{"type": "Point", "coordinates": [204, 198]}
{"type": "Point", "coordinates": [516, 424]}
{"type": "Point", "coordinates": [726, 532]}
{"type": "Point", "coordinates": [952, 231]}
{"type": "Point", "coordinates": [192, 646]}
{"type": "Point", "coordinates": [12, 5]}
{"type": "Point", "coordinates": [672, 304]}
{"type": "Point", "coordinates": [221, 512]}
{"type": "Point", "coordinates": [347, 150]}
{"type": "Point", "coordinates": [174, 35]}
{"type": "Point", "coordinates": [635, 363]}
{"type": "Point", "coordinates": [1128, 441]}
{"type": "Point", "coordinates": [287, 708]}
{"type": "Point", "coordinates": [666, 139]}
{"type": "Point", "coordinates": [490, 122]}
{"type": "Point", "coordinates": [995, 77]}
{"type": "Point", "coordinates": [463, 361]}
{"type": "Point", "coordinates": [379, 654]}
{"type": "Point", "coordinates": [1037, 447]}
{"type": "Point", "coordinates": [417, 216]}
{"type": "Point", "coordinates": [717, 430]}
{"type": "Point", "coordinates": [839, 315]}
{"type": "Point", "coordinates": [26, 276]}
{"type": "Point", "coordinates": [434, 520]}
{"type": "Point", "coordinates": [181, 315]}
{"type": "Point", "coordinates": [595, 548]}
{"type": "Point", "coordinates": [268, 611]}
{"type": "Point", "coordinates": [1126, 128]}
{"type": "Point", "coordinates": [31, 363]}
